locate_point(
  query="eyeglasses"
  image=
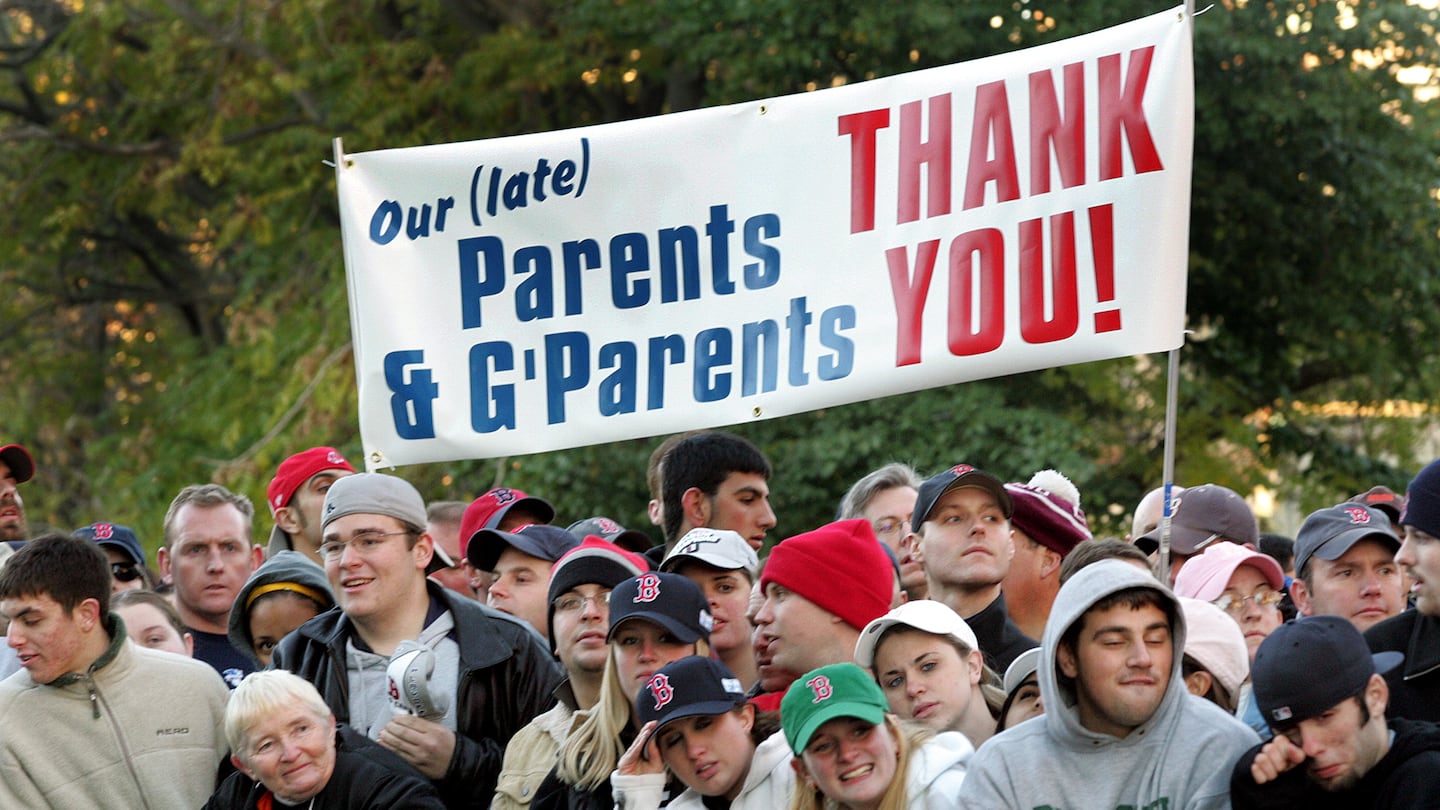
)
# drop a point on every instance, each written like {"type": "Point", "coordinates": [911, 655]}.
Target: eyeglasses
{"type": "Point", "coordinates": [362, 543]}
{"type": "Point", "coordinates": [124, 572]}
{"type": "Point", "coordinates": [1235, 605]}
{"type": "Point", "coordinates": [571, 602]}
{"type": "Point", "coordinates": [891, 527]}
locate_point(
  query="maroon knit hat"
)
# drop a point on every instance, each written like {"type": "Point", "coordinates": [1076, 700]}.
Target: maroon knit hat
{"type": "Point", "coordinates": [1045, 510]}
{"type": "Point", "coordinates": [839, 566]}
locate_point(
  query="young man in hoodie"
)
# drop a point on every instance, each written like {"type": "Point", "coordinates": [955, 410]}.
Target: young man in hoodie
{"type": "Point", "coordinates": [1119, 729]}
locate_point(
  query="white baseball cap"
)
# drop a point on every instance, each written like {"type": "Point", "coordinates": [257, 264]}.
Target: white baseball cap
{"type": "Point", "coordinates": [925, 615]}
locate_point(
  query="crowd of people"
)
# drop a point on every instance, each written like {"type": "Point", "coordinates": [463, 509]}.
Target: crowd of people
{"type": "Point", "coordinates": [950, 641]}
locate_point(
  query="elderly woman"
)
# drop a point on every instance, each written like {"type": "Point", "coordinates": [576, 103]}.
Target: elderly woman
{"type": "Point", "coordinates": [291, 753]}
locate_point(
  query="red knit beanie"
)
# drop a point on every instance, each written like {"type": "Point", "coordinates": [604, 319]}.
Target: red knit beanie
{"type": "Point", "coordinates": [839, 566]}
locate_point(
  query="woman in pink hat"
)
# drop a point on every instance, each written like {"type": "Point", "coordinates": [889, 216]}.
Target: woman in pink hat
{"type": "Point", "coordinates": [1242, 582]}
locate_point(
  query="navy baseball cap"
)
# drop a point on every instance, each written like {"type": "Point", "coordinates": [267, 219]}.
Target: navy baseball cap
{"type": "Point", "coordinates": [670, 600]}
{"type": "Point", "coordinates": [115, 535]}
{"type": "Point", "coordinates": [961, 475]}
{"type": "Point", "coordinates": [1330, 532]}
{"type": "Point", "coordinates": [536, 539]}
{"type": "Point", "coordinates": [1309, 665]}
{"type": "Point", "coordinates": [607, 529]}
{"type": "Point", "coordinates": [690, 687]}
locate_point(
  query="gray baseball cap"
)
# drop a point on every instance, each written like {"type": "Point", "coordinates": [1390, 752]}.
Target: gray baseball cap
{"type": "Point", "coordinates": [1330, 532]}
{"type": "Point", "coordinates": [374, 494]}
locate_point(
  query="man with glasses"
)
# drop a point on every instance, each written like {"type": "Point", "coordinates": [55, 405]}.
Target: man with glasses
{"type": "Point", "coordinates": [491, 673]}
{"type": "Point", "coordinates": [208, 556]}
{"type": "Point", "coordinates": [886, 498]}
{"type": "Point", "coordinates": [578, 622]}
{"type": "Point", "coordinates": [122, 548]}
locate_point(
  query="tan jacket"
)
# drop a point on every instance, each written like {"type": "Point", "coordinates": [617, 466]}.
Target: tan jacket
{"type": "Point", "coordinates": [530, 756]}
{"type": "Point", "coordinates": [143, 729]}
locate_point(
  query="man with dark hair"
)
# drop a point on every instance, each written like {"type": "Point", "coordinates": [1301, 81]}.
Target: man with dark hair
{"type": "Point", "coordinates": [1120, 728]}
{"type": "Point", "coordinates": [208, 556]}
{"type": "Point", "coordinates": [295, 496]}
{"type": "Point", "coordinates": [1203, 515]}
{"type": "Point", "coordinates": [490, 674]}
{"type": "Point", "coordinates": [716, 481]}
{"type": "Point", "coordinates": [95, 720]}
{"type": "Point", "coordinates": [1317, 686]}
{"type": "Point", "coordinates": [1415, 686]}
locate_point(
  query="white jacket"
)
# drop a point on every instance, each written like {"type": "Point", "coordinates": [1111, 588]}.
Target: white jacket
{"type": "Point", "coordinates": [936, 771]}
{"type": "Point", "coordinates": [768, 784]}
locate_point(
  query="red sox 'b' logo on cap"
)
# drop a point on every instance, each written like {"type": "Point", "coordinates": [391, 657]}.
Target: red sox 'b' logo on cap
{"type": "Point", "coordinates": [503, 495]}
{"type": "Point", "coordinates": [820, 685]}
{"type": "Point", "coordinates": [660, 689]}
{"type": "Point", "coordinates": [961, 469]}
{"type": "Point", "coordinates": [647, 589]}
{"type": "Point", "coordinates": [104, 531]}
{"type": "Point", "coordinates": [1359, 515]}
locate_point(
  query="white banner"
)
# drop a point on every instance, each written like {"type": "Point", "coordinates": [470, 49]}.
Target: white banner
{"type": "Point", "coordinates": [707, 268]}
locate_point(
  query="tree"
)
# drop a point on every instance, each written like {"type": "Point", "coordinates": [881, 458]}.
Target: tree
{"type": "Point", "coordinates": [174, 285]}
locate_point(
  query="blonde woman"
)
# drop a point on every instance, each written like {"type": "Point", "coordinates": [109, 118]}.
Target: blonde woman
{"type": "Point", "coordinates": [699, 728]}
{"type": "Point", "coordinates": [852, 753]}
{"type": "Point", "coordinates": [655, 618]}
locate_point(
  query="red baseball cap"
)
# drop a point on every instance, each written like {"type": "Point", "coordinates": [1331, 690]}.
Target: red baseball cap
{"type": "Point", "coordinates": [18, 459]}
{"type": "Point", "coordinates": [297, 469]}
{"type": "Point", "coordinates": [486, 512]}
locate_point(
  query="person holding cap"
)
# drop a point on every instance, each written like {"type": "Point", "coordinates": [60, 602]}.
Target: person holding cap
{"type": "Point", "coordinates": [655, 618]}
{"type": "Point", "coordinates": [1345, 566]}
{"type": "Point", "coordinates": [1200, 517]}
{"type": "Point", "coordinates": [520, 560]}
{"type": "Point", "coordinates": [1321, 690]}
{"type": "Point", "coordinates": [295, 496]}
{"type": "Point", "coordinates": [16, 467]}
{"type": "Point", "coordinates": [1415, 686]}
{"type": "Point", "coordinates": [964, 541]}
{"type": "Point", "coordinates": [697, 723]}
{"type": "Point", "coordinates": [851, 752]}
{"type": "Point", "coordinates": [127, 557]}
{"type": "Point", "coordinates": [927, 662]}
{"type": "Point", "coordinates": [724, 566]}
{"type": "Point", "coordinates": [493, 672]}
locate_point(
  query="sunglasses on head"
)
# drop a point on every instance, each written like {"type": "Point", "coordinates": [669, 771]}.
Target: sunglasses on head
{"type": "Point", "coordinates": [124, 572]}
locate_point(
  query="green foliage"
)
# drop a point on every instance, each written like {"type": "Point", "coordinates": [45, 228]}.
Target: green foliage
{"type": "Point", "coordinates": [174, 291]}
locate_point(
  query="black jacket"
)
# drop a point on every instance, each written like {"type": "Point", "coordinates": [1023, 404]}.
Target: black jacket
{"type": "Point", "coordinates": [507, 677]}
{"type": "Point", "coordinates": [1415, 684]}
{"type": "Point", "coordinates": [366, 777]}
{"type": "Point", "coordinates": [1001, 642]}
{"type": "Point", "coordinates": [1403, 778]}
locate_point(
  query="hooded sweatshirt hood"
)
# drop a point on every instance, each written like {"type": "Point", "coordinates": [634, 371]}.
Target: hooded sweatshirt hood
{"type": "Point", "coordinates": [1181, 756]}
{"type": "Point", "coordinates": [1092, 584]}
{"type": "Point", "coordinates": [284, 571]}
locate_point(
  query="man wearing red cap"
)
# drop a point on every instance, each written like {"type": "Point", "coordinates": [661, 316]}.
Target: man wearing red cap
{"type": "Point", "coordinates": [296, 494]}
{"type": "Point", "coordinates": [502, 509]}
{"type": "Point", "coordinates": [16, 467]}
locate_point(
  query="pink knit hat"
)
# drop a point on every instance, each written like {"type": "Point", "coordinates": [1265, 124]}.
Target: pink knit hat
{"type": "Point", "coordinates": [839, 566]}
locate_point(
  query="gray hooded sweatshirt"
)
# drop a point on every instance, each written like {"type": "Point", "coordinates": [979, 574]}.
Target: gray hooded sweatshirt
{"type": "Point", "coordinates": [1180, 758]}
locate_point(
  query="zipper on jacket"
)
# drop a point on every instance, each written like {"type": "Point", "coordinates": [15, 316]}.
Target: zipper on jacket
{"type": "Point", "coordinates": [97, 700]}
